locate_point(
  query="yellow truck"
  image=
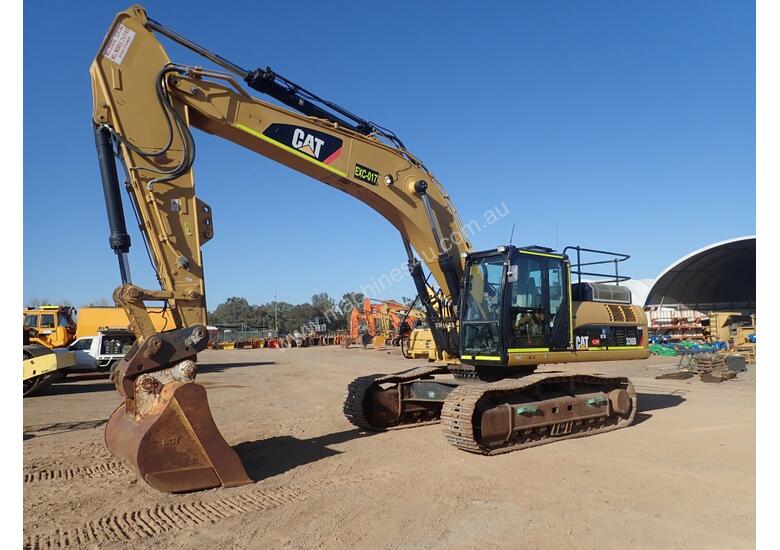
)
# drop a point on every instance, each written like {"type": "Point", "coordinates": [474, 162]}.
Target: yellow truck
{"type": "Point", "coordinates": [46, 329]}
{"type": "Point", "coordinates": [50, 325]}
{"type": "Point", "coordinates": [93, 319]}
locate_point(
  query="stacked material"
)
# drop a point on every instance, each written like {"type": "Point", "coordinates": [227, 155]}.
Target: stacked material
{"type": "Point", "coordinates": [712, 368]}
{"type": "Point", "coordinates": [736, 362]}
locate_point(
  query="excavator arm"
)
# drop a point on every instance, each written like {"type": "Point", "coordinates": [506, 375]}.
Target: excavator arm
{"type": "Point", "coordinates": [144, 109]}
{"type": "Point", "coordinates": [147, 105]}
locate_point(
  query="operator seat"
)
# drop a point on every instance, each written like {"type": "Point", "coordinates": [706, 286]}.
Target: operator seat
{"type": "Point", "coordinates": [528, 323]}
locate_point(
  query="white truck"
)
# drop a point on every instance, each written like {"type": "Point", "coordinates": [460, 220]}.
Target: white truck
{"type": "Point", "coordinates": [102, 351]}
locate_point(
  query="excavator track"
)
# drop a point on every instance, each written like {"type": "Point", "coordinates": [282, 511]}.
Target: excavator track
{"type": "Point", "coordinates": [354, 404]}
{"type": "Point", "coordinates": [461, 423]}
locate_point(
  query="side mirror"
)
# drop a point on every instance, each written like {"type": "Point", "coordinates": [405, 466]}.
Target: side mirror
{"type": "Point", "coordinates": [511, 274]}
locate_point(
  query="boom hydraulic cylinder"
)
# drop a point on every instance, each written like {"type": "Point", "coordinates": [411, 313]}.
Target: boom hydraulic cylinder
{"type": "Point", "coordinates": [118, 238]}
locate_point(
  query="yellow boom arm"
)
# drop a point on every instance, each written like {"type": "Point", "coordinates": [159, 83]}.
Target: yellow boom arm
{"type": "Point", "coordinates": [147, 104]}
{"type": "Point", "coordinates": [144, 107]}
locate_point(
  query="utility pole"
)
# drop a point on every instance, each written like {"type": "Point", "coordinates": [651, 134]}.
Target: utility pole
{"type": "Point", "coordinates": [276, 316]}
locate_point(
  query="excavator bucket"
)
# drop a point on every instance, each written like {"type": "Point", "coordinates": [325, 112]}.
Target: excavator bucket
{"type": "Point", "coordinates": [164, 429]}
{"type": "Point", "coordinates": [177, 448]}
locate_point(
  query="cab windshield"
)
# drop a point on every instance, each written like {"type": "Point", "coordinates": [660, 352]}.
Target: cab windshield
{"type": "Point", "coordinates": [47, 320]}
{"type": "Point", "coordinates": [482, 308]}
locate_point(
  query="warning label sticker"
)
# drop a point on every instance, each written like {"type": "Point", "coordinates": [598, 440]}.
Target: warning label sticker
{"type": "Point", "coordinates": [119, 44]}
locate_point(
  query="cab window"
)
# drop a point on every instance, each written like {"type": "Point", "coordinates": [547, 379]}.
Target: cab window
{"type": "Point", "coordinates": [81, 345]}
{"type": "Point", "coordinates": [527, 311]}
{"type": "Point", "coordinates": [527, 290]}
{"type": "Point", "coordinates": [482, 314]}
{"type": "Point", "coordinates": [483, 294]}
{"type": "Point", "coordinates": [31, 321]}
{"type": "Point", "coordinates": [555, 277]}
{"type": "Point", "coordinates": [47, 320]}
{"type": "Point", "coordinates": [537, 296]}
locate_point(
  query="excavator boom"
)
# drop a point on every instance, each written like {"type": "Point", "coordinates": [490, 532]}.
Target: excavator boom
{"type": "Point", "coordinates": [144, 109]}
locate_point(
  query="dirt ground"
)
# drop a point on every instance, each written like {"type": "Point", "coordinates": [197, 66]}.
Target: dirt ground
{"type": "Point", "coordinates": [682, 476]}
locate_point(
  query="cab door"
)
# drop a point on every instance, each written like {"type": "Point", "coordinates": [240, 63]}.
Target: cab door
{"type": "Point", "coordinates": [538, 308]}
{"type": "Point", "coordinates": [482, 312]}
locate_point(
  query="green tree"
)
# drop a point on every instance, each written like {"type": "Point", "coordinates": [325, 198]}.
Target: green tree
{"type": "Point", "coordinates": [291, 317]}
{"type": "Point", "coordinates": [326, 309]}
{"type": "Point", "coordinates": [298, 316]}
{"type": "Point", "coordinates": [264, 315]}
{"type": "Point", "coordinates": [234, 310]}
{"type": "Point", "coordinates": [350, 301]}
{"type": "Point", "coordinates": [283, 312]}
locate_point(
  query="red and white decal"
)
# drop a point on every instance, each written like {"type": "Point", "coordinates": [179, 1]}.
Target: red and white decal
{"type": "Point", "coordinates": [119, 43]}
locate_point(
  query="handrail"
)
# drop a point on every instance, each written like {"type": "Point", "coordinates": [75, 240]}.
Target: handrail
{"type": "Point", "coordinates": [616, 258]}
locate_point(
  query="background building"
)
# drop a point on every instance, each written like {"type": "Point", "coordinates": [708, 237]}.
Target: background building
{"type": "Point", "coordinates": [719, 278]}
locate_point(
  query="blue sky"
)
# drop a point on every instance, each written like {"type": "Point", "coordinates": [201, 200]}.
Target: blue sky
{"type": "Point", "coordinates": [628, 125]}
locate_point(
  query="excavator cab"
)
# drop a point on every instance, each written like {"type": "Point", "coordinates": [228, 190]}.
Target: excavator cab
{"type": "Point", "coordinates": [516, 300]}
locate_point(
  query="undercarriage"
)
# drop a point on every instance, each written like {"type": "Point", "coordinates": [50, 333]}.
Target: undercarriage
{"type": "Point", "coordinates": [492, 417]}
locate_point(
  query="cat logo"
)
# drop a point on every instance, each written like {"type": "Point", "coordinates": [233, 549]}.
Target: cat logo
{"type": "Point", "coordinates": [581, 343]}
{"type": "Point", "coordinates": [307, 143]}
{"type": "Point", "coordinates": [315, 144]}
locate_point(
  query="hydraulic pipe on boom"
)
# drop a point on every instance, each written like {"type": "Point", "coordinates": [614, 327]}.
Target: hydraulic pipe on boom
{"type": "Point", "coordinates": [432, 315]}
{"type": "Point", "coordinates": [268, 82]}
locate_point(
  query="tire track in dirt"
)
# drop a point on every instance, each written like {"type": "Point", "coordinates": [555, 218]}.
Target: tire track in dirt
{"type": "Point", "coordinates": [97, 471]}
{"type": "Point", "coordinates": [135, 525]}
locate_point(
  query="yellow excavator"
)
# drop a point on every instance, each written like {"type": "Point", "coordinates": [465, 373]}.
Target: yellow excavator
{"type": "Point", "coordinates": [397, 322]}
{"type": "Point", "coordinates": [496, 315]}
